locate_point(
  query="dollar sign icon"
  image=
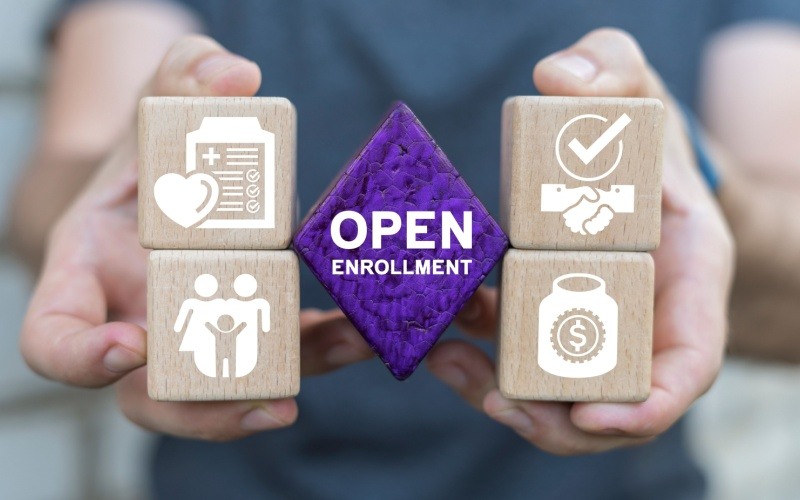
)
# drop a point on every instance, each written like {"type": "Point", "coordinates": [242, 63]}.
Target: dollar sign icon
{"type": "Point", "coordinates": [573, 330]}
{"type": "Point", "coordinates": [577, 335]}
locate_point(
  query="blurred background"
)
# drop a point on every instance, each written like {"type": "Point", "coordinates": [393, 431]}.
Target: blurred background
{"type": "Point", "coordinates": [62, 443]}
{"type": "Point", "coordinates": [55, 442]}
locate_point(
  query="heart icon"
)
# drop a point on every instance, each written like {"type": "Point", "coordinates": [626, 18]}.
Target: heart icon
{"type": "Point", "coordinates": [186, 200]}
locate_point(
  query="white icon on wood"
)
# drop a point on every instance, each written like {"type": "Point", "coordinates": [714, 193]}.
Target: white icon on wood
{"type": "Point", "coordinates": [223, 333]}
{"type": "Point", "coordinates": [578, 328]}
{"type": "Point", "coordinates": [230, 177]}
{"type": "Point", "coordinates": [588, 210]}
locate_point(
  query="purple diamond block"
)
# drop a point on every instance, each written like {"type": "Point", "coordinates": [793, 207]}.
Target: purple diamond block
{"type": "Point", "coordinates": [391, 242]}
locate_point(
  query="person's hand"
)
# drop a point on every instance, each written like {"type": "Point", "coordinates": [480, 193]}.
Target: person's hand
{"type": "Point", "coordinates": [85, 322]}
{"type": "Point", "coordinates": [693, 275]}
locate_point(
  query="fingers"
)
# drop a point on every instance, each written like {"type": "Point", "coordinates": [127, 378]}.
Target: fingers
{"type": "Point", "coordinates": [194, 66]}
{"type": "Point", "coordinates": [605, 62]}
{"type": "Point", "coordinates": [470, 373]}
{"type": "Point", "coordinates": [689, 330]}
{"type": "Point", "coordinates": [81, 355]}
{"type": "Point", "coordinates": [216, 421]}
{"type": "Point", "coordinates": [549, 427]}
{"type": "Point", "coordinates": [609, 62]}
{"type": "Point", "coordinates": [693, 262]}
{"type": "Point", "coordinates": [198, 66]}
{"type": "Point", "coordinates": [465, 368]}
{"type": "Point", "coordinates": [479, 316]}
{"type": "Point", "coordinates": [676, 385]}
{"type": "Point", "coordinates": [64, 336]}
{"type": "Point", "coordinates": [329, 341]}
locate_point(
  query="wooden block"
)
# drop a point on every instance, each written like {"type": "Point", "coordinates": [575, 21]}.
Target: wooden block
{"type": "Point", "coordinates": [400, 242]}
{"type": "Point", "coordinates": [205, 307]}
{"type": "Point", "coordinates": [216, 173]}
{"type": "Point", "coordinates": [576, 326]}
{"type": "Point", "coordinates": [581, 173]}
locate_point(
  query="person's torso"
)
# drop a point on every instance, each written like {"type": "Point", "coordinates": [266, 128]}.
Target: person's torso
{"type": "Point", "coordinates": [362, 434]}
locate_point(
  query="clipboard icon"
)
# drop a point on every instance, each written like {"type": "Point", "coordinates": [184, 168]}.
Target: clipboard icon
{"type": "Point", "coordinates": [230, 177]}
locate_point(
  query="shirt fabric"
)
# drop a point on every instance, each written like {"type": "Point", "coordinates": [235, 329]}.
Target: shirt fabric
{"type": "Point", "coordinates": [362, 434]}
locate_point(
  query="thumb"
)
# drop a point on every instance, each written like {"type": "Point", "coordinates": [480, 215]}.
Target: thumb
{"type": "Point", "coordinates": [195, 65]}
{"type": "Point", "coordinates": [198, 66]}
{"type": "Point", "coordinates": [65, 335]}
{"type": "Point", "coordinates": [606, 62]}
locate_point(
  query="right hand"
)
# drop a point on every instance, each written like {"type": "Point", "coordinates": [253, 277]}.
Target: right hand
{"type": "Point", "coordinates": [85, 322]}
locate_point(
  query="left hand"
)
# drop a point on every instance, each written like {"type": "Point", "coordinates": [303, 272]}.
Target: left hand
{"type": "Point", "coordinates": [694, 266]}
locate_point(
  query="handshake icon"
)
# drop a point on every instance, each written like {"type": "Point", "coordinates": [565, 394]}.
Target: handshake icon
{"type": "Point", "coordinates": [587, 210]}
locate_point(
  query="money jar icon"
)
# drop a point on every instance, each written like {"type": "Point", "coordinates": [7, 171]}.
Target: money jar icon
{"type": "Point", "coordinates": [578, 328]}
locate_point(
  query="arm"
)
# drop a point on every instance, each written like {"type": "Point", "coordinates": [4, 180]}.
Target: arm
{"type": "Point", "coordinates": [102, 56]}
{"type": "Point", "coordinates": [216, 331]}
{"type": "Point", "coordinates": [263, 313]}
{"type": "Point", "coordinates": [183, 313]}
{"type": "Point", "coordinates": [751, 107]}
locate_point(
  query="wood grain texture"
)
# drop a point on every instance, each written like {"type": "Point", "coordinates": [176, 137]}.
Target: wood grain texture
{"type": "Point", "coordinates": [163, 125]}
{"type": "Point", "coordinates": [528, 279]}
{"type": "Point", "coordinates": [530, 132]}
{"type": "Point", "coordinates": [173, 374]}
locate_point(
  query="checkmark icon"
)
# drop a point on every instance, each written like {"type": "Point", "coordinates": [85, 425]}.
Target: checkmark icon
{"type": "Point", "coordinates": [588, 154]}
{"type": "Point", "coordinates": [253, 206]}
{"type": "Point", "coordinates": [253, 175]}
{"type": "Point", "coordinates": [252, 190]}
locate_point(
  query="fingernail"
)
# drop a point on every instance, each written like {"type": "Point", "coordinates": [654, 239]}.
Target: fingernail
{"type": "Point", "coordinates": [259, 419]}
{"type": "Point", "coordinates": [470, 312]}
{"type": "Point", "coordinates": [576, 65]}
{"type": "Point", "coordinates": [450, 374]}
{"type": "Point", "coordinates": [119, 359]}
{"type": "Point", "coordinates": [215, 64]}
{"type": "Point", "coordinates": [516, 419]}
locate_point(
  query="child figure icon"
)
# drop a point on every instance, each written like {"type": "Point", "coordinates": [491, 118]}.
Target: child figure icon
{"type": "Point", "coordinates": [223, 333]}
{"type": "Point", "coordinates": [225, 356]}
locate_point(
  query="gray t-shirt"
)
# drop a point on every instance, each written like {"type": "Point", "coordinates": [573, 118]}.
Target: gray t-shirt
{"type": "Point", "coordinates": [362, 434]}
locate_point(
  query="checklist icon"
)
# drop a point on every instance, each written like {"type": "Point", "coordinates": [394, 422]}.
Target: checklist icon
{"type": "Point", "coordinates": [230, 177]}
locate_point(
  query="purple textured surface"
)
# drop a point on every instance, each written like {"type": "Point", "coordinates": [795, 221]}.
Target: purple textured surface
{"type": "Point", "coordinates": [400, 169]}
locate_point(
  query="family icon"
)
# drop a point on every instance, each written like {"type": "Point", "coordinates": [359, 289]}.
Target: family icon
{"type": "Point", "coordinates": [223, 333]}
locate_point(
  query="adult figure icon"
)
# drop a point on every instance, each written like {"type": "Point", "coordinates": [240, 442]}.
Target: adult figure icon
{"type": "Point", "coordinates": [255, 314]}
{"type": "Point", "coordinates": [192, 318]}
